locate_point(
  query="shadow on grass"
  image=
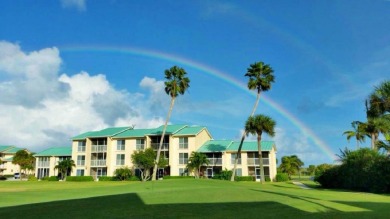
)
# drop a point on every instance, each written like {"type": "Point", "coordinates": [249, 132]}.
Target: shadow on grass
{"type": "Point", "coordinates": [130, 205]}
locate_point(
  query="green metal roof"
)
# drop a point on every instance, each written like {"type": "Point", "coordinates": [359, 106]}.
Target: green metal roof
{"type": "Point", "coordinates": [215, 146]}
{"type": "Point", "coordinates": [191, 130]}
{"type": "Point", "coordinates": [171, 129]}
{"type": "Point", "coordinates": [226, 145]}
{"type": "Point", "coordinates": [56, 151]}
{"type": "Point", "coordinates": [5, 147]}
{"type": "Point", "coordinates": [108, 132]}
{"type": "Point", "coordinates": [9, 149]}
{"type": "Point", "coordinates": [133, 133]}
{"type": "Point", "coordinates": [252, 146]}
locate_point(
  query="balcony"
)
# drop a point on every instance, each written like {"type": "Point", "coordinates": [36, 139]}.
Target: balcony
{"type": "Point", "coordinates": [255, 161]}
{"type": "Point", "coordinates": [98, 163]}
{"type": "Point", "coordinates": [233, 160]}
{"type": "Point", "coordinates": [165, 146]}
{"type": "Point", "coordinates": [99, 148]}
{"type": "Point", "coordinates": [43, 164]}
{"type": "Point", "coordinates": [80, 162]}
{"type": "Point", "coordinates": [214, 161]}
{"type": "Point", "coordinates": [81, 149]}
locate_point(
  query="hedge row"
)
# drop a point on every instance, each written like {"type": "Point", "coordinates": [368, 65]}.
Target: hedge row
{"type": "Point", "coordinates": [79, 178]}
{"type": "Point", "coordinates": [178, 177]}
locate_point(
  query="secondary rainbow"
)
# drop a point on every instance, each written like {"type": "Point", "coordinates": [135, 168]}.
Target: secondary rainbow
{"type": "Point", "coordinates": [213, 72]}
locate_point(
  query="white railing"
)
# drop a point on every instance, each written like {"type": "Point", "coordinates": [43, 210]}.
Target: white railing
{"type": "Point", "coordinates": [183, 145]}
{"type": "Point", "coordinates": [255, 161]}
{"type": "Point", "coordinates": [183, 160]}
{"type": "Point", "coordinates": [98, 163]}
{"type": "Point", "coordinates": [43, 163]}
{"type": "Point", "coordinates": [234, 160]}
{"type": "Point", "coordinates": [165, 146]}
{"type": "Point", "coordinates": [81, 149]}
{"type": "Point", "coordinates": [214, 161]}
{"type": "Point", "coordinates": [80, 162]}
{"type": "Point", "coordinates": [99, 148]}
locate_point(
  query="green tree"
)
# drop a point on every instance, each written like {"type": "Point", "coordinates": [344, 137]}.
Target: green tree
{"type": "Point", "coordinates": [358, 133]}
{"type": "Point", "coordinates": [65, 167]}
{"type": "Point", "coordinates": [123, 173]}
{"type": "Point", "coordinates": [256, 125]}
{"type": "Point", "coordinates": [375, 126]}
{"type": "Point", "coordinates": [311, 169]}
{"type": "Point", "coordinates": [176, 83]}
{"type": "Point", "coordinates": [25, 161]}
{"type": "Point", "coordinates": [144, 161]}
{"type": "Point", "coordinates": [291, 165]}
{"type": "Point", "coordinates": [379, 101]}
{"type": "Point", "coordinates": [260, 79]}
{"type": "Point", "coordinates": [195, 162]}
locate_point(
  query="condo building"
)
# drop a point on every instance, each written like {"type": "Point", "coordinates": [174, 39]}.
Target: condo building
{"type": "Point", "coordinates": [100, 153]}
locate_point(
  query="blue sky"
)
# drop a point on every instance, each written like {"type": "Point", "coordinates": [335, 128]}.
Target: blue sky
{"type": "Point", "coordinates": [71, 66]}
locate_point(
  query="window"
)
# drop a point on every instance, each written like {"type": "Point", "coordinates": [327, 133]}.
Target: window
{"type": "Point", "coordinates": [183, 158]}
{"type": "Point", "coordinates": [183, 172]}
{"type": "Point", "coordinates": [120, 145]}
{"type": "Point", "coordinates": [80, 172]}
{"type": "Point", "coordinates": [238, 172]}
{"type": "Point", "coordinates": [80, 160]}
{"type": "Point", "coordinates": [81, 146]}
{"type": "Point", "coordinates": [233, 160]}
{"type": "Point", "coordinates": [183, 143]}
{"type": "Point", "coordinates": [140, 144]}
{"type": "Point", "coordinates": [120, 159]}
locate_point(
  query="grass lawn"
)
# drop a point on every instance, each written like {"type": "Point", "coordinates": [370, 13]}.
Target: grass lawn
{"type": "Point", "coordinates": [184, 198]}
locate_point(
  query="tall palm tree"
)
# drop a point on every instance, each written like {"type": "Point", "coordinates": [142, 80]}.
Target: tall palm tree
{"type": "Point", "coordinates": [357, 132]}
{"type": "Point", "coordinates": [176, 83]}
{"type": "Point", "coordinates": [260, 79]}
{"type": "Point", "coordinates": [65, 167]}
{"type": "Point", "coordinates": [257, 125]}
{"type": "Point", "coordinates": [379, 101]}
{"type": "Point", "coordinates": [374, 126]}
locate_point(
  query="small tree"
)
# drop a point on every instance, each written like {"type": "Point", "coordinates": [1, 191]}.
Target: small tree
{"type": "Point", "coordinates": [123, 173]}
{"type": "Point", "coordinates": [196, 161]}
{"type": "Point", "coordinates": [144, 161]}
{"type": "Point", "coordinates": [291, 165]}
{"type": "Point", "coordinates": [25, 161]}
{"type": "Point", "coordinates": [64, 167]}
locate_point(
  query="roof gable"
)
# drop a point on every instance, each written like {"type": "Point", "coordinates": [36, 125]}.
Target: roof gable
{"type": "Point", "coordinates": [107, 132]}
{"type": "Point", "coordinates": [171, 129]}
{"type": "Point", "coordinates": [133, 133]}
{"type": "Point", "coordinates": [252, 146]}
{"type": "Point", "coordinates": [190, 130]}
{"type": "Point", "coordinates": [214, 146]}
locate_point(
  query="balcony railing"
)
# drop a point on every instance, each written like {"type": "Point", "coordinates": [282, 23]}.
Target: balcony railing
{"type": "Point", "coordinates": [80, 162]}
{"type": "Point", "coordinates": [81, 149]}
{"type": "Point", "coordinates": [234, 160]}
{"type": "Point", "coordinates": [98, 163]}
{"type": "Point", "coordinates": [99, 148]}
{"type": "Point", "coordinates": [214, 161]}
{"type": "Point", "coordinates": [43, 163]}
{"type": "Point", "coordinates": [255, 161]}
{"type": "Point", "coordinates": [183, 160]}
{"type": "Point", "coordinates": [165, 146]}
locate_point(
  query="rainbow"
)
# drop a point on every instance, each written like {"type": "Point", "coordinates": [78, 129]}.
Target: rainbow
{"type": "Point", "coordinates": [215, 73]}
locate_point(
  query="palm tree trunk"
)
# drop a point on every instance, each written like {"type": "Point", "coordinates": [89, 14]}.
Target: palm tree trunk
{"type": "Point", "coordinates": [162, 139]}
{"type": "Point", "coordinates": [260, 159]}
{"type": "Point", "coordinates": [243, 138]}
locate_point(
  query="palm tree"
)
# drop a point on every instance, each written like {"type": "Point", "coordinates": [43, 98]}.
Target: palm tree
{"type": "Point", "coordinates": [379, 101]}
{"type": "Point", "coordinates": [260, 79]}
{"type": "Point", "coordinates": [290, 165]}
{"type": "Point", "coordinates": [257, 125]}
{"type": "Point", "coordinates": [64, 167]}
{"type": "Point", "coordinates": [197, 160]}
{"type": "Point", "coordinates": [374, 126]}
{"type": "Point", "coordinates": [176, 83]}
{"type": "Point", "coordinates": [357, 132]}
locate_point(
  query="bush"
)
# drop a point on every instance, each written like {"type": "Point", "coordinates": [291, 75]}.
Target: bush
{"type": "Point", "coordinates": [3, 178]}
{"type": "Point", "coordinates": [224, 175]}
{"type": "Point", "coordinates": [134, 178]}
{"type": "Point", "coordinates": [32, 178]}
{"type": "Point", "coordinates": [79, 178]}
{"type": "Point", "coordinates": [52, 178]}
{"type": "Point", "coordinates": [267, 179]}
{"type": "Point", "coordinates": [108, 178]}
{"type": "Point", "coordinates": [178, 177]}
{"type": "Point", "coordinates": [244, 178]}
{"type": "Point", "coordinates": [281, 177]}
{"type": "Point", "coordinates": [123, 173]}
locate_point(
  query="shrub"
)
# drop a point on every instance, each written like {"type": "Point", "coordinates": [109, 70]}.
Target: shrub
{"type": "Point", "coordinates": [107, 178]}
{"type": "Point", "coordinates": [3, 178]}
{"type": "Point", "coordinates": [134, 178]}
{"type": "Point", "coordinates": [281, 177]}
{"type": "Point", "coordinates": [244, 178]}
{"type": "Point", "coordinates": [178, 177]}
{"type": "Point", "coordinates": [79, 178]}
{"type": "Point", "coordinates": [224, 175]}
{"type": "Point", "coordinates": [32, 178]}
{"type": "Point", "coordinates": [267, 179]}
{"type": "Point", "coordinates": [123, 173]}
{"type": "Point", "coordinates": [52, 178]}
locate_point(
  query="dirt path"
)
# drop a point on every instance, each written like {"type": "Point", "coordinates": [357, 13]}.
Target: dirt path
{"type": "Point", "coordinates": [303, 186]}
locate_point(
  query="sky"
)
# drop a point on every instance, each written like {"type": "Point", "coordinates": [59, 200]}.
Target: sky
{"type": "Point", "coordinates": [71, 66]}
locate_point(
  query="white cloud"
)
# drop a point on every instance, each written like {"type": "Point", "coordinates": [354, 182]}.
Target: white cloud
{"type": "Point", "coordinates": [40, 108]}
{"type": "Point", "coordinates": [78, 4]}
